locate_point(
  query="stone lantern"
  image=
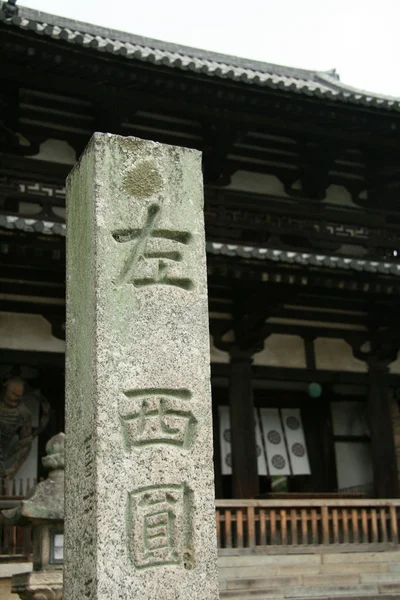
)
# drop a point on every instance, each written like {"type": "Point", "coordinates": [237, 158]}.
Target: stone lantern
{"type": "Point", "coordinates": [43, 510]}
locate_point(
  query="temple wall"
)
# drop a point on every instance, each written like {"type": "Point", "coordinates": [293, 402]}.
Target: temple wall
{"type": "Point", "coordinates": [336, 355]}
{"type": "Point", "coordinates": [33, 333]}
{"type": "Point", "coordinates": [288, 351]}
{"type": "Point", "coordinates": [282, 351]}
{"type": "Point", "coordinates": [57, 151]}
{"type": "Point", "coordinates": [28, 332]}
{"type": "Point", "coordinates": [216, 355]}
{"type": "Point", "coordinates": [395, 366]}
{"type": "Point", "coordinates": [258, 183]}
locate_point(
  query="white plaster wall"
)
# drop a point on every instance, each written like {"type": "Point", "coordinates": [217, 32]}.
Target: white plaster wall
{"type": "Point", "coordinates": [20, 331]}
{"type": "Point", "coordinates": [339, 196]}
{"type": "Point", "coordinates": [282, 351]}
{"type": "Point", "coordinates": [257, 183]}
{"type": "Point", "coordinates": [395, 366]}
{"type": "Point", "coordinates": [216, 355]}
{"type": "Point", "coordinates": [336, 355]}
{"type": "Point", "coordinates": [353, 463]}
{"type": "Point", "coordinates": [57, 151]}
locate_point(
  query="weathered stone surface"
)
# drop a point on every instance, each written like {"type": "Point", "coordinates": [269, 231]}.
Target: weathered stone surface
{"type": "Point", "coordinates": [140, 517]}
{"type": "Point", "coordinates": [39, 585]}
{"type": "Point", "coordinates": [46, 500]}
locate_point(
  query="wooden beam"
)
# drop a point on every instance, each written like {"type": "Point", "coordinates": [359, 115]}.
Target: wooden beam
{"type": "Point", "coordinates": [33, 358]}
{"type": "Point", "coordinates": [274, 105]}
{"type": "Point", "coordinates": [222, 371]}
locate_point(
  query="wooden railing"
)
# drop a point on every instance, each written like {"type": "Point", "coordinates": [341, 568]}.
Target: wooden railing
{"type": "Point", "coordinates": [272, 526]}
{"type": "Point", "coordinates": [292, 526]}
{"type": "Point", "coordinates": [15, 541]}
{"type": "Point", "coordinates": [16, 488]}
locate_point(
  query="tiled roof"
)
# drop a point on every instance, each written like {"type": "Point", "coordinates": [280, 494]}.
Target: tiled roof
{"type": "Point", "coordinates": [231, 250]}
{"type": "Point", "coordinates": [311, 83]}
{"type": "Point", "coordinates": [32, 225]}
{"type": "Point", "coordinates": [304, 258]}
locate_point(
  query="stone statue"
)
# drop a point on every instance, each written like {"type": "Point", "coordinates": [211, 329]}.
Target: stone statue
{"type": "Point", "coordinates": [15, 421]}
{"type": "Point", "coordinates": [16, 434]}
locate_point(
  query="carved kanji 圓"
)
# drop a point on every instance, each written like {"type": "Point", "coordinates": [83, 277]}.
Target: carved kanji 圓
{"type": "Point", "coordinates": [158, 416]}
{"type": "Point", "coordinates": [159, 526]}
{"type": "Point", "coordinates": [154, 253]}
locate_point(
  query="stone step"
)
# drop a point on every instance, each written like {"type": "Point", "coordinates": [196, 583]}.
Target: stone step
{"type": "Point", "coordinates": [284, 582]}
{"type": "Point", "coordinates": [253, 571]}
{"type": "Point", "coordinates": [389, 588]}
{"type": "Point", "coordinates": [351, 576]}
{"type": "Point", "coordinates": [354, 568]}
{"type": "Point", "coordinates": [264, 596]}
{"type": "Point", "coordinates": [270, 560]}
{"type": "Point", "coordinates": [309, 559]}
{"type": "Point", "coordinates": [354, 596]}
{"type": "Point", "coordinates": [327, 592]}
{"type": "Point", "coordinates": [391, 577]}
{"type": "Point", "coordinates": [334, 591]}
{"type": "Point", "coordinates": [266, 570]}
{"type": "Point", "coordinates": [262, 582]}
{"type": "Point", "coordinates": [361, 557]}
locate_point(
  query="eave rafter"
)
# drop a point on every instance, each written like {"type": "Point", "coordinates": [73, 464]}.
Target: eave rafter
{"type": "Point", "coordinates": [226, 114]}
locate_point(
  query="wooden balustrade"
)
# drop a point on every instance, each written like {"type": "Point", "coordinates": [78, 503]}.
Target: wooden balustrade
{"type": "Point", "coordinates": [15, 541]}
{"type": "Point", "coordinates": [16, 488]}
{"type": "Point", "coordinates": [272, 526]}
{"type": "Point", "coordinates": [293, 526]}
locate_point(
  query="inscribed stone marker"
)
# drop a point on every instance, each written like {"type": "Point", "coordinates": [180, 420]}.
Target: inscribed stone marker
{"type": "Point", "coordinates": [140, 516]}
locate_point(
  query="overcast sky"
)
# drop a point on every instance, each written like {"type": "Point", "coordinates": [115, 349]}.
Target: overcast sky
{"type": "Point", "coordinates": [360, 38]}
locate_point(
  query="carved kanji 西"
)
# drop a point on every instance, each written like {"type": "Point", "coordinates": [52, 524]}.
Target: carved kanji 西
{"type": "Point", "coordinates": [159, 416]}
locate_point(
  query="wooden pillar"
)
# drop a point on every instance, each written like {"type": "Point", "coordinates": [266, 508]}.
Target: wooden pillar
{"type": "Point", "coordinates": [382, 435]}
{"type": "Point", "coordinates": [217, 453]}
{"type": "Point", "coordinates": [243, 438]}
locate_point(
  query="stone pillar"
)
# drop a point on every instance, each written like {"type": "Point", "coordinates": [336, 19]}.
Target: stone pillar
{"type": "Point", "coordinates": [243, 437]}
{"type": "Point", "coordinates": [384, 460]}
{"type": "Point", "coordinates": [140, 514]}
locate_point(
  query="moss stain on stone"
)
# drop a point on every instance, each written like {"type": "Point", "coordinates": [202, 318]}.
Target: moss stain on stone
{"type": "Point", "coordinates": [143, 180]}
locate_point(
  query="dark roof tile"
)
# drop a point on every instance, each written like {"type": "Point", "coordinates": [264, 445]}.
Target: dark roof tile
{"type": "Point", "coordinates": [314, 260]}
{"type": "Point", "coordinates": [231, 250]}
{"type": "Point", "coordinates": [311, 83]}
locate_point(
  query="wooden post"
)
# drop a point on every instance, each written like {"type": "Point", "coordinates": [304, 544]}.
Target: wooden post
{"type": "Point", "coordinates": [243, 437]}
{"type": "Point", "coordinates": [382, 436]}
{"type": "Point", "coordinates": [217, 453]}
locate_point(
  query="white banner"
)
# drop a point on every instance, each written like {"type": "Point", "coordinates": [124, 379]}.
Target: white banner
{"type": "Point", "coordinates": [296, 444]}
{"type": "Point", "coordinates": [278, 463]}
{"type": "Point", "coordinates": [279, 436]}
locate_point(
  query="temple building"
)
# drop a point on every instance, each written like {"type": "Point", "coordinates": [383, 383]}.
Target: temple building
{"type": "Point", "coordinates": [302, 212]}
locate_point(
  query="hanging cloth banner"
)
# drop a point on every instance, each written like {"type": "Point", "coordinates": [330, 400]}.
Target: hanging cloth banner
{"type": "Point", "coordinates": [295, 441]}
{"type": "Point", "coordinates": [225, 442]}
{"type": "Point", "coordinates": [277, 456]}
{"type": "Point", "coordinates": [279, 439]}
